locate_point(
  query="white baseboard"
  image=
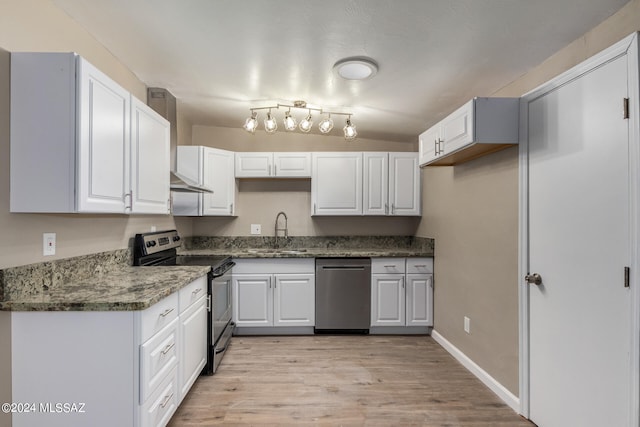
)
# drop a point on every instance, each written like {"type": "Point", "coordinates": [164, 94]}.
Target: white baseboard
{"type": "Point", "coordinates": [488, 380]}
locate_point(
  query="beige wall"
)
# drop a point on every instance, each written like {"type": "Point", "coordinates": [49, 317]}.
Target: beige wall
{"type": "Point", "coordinates": [471, 211]}
{"type": "Point", "coordinates": [258, 201]}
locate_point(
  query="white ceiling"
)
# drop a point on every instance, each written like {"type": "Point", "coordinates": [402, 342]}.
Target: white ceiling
{"type": "Point", "coordinates": [221, 57]}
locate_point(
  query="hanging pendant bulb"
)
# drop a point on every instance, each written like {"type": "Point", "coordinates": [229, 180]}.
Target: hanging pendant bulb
{"type": "Point", "coordinates": [251, 124]}
{"type": "Point", "coordinates": [349, 130]}
{"type": "Point", "coordinates": [326, 125]}
{"type": "Point", "coordinates": [289, 122]}
{"type": "Point", "coordinates": [306, 123]}
{"type": "Point", "coordinates": [270, 124]}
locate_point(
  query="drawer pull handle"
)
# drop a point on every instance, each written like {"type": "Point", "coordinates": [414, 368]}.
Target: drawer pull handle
{"type": "Point", "coordinates": [390, 266]}
{"type": "Point", "coordinates": [421, 265]}
{"type": "Point", "coordinates": [168, 347]}
{"type": "Point", "coordinates": [166, 312]}
{"type": "Point", "coordinates": [167, 399]}
{"type": "Point", "coordinates": [197, 291]}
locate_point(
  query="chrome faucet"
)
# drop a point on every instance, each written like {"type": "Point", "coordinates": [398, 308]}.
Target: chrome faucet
{"type": "Point", "coordinates": [285, 229]}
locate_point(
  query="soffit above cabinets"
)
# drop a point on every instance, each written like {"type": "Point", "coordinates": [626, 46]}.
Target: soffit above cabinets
{"type": "Point", "coordinates": [220, 58]}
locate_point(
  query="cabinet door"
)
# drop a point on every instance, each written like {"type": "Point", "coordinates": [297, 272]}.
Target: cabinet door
{"type": "Point", "coordinates": [252, 300]}
{"type": "Point", "coordinates": [404, 184]}
{"type": "Point", "coordinates": [387, 300]}
{"type": "Point", "coordinates": [294, 300]}
{"type": "Point", "coordinates": [336, 184]}
{"type": "Point", "coordinates": [375, 197]}
{"type": "Point", "coordinates": [457, 129]}
{"type": "Point", "coordinates": [428, 145]}
{"type": "Point", "coordinates": [219, 176]}
{"type": "Point", "coordinates": [292, 165]}
{"type": "Point", "coordinates": [257, 165]}
{"type": "Point", "coordinates": [419, 300]}
{"type": "Point", "coordinates": [103, 143]}
{"type": "Point", "coordinates": [149, 160]}
{"type": "Point", "coordinates": [193, 344]}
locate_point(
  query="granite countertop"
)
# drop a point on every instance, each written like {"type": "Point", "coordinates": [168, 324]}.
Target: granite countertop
{"type": "Point", "coordinates": [107, 282]}
{"type": "Point", "coordinates": [121, 289]}
{"type": "Point", "coordinates": [312, 252]}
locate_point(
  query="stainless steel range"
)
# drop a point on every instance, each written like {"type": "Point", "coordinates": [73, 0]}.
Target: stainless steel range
{"type": "Point", "coordinates": [160, 248]}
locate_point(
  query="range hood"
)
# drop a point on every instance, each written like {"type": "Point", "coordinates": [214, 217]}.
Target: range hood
{"type": "Point", "coordinates": [164, 103]}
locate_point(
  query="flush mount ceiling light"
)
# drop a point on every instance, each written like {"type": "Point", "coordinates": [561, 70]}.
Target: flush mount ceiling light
{"type": "Point", "coordinates": [270, 124]}
{"type": "Point", "coordinates": [356, 68]}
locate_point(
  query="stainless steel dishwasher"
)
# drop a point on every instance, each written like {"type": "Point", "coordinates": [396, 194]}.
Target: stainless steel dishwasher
{"type": "Point", "coordinates": [343, 295]}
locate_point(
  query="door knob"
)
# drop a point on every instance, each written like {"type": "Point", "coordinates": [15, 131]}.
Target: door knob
{"type": "Point", "coordinates": [533, 279]}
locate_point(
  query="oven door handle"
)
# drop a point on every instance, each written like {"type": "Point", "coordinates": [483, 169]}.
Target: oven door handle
{"type": "Point", "coordinates": [216, 273]}
{"type": "Point", "coordinates": [221, 350]}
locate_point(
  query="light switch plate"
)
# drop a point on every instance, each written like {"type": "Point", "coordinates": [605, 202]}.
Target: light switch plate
{"type": "Point", "coordinates": [48, 244]}
{"type": "Point", "coordinates": [256, 228]}
{"type": "Point", "coordinates": [467, 325]}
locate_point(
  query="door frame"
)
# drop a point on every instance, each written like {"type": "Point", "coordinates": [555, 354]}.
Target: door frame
{"type": "Point", "coordinates": [629, 47]}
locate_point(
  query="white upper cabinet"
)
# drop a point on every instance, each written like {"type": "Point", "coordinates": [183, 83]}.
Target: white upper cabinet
{"type": "Point", "coordinates": [273, 165]}
{"type": "Point", "coordinates": [336, 183]}
{"type": "Point", "coordinates": [391, 184]}
{"type": "Point", "coordinates": [71, 141]}
{"type": "Point", "coordinates": [149, 160]}
{"type": "Point", "coordinates": [481, 126]}
{"type": "Point", "coordinates": [209, 167]}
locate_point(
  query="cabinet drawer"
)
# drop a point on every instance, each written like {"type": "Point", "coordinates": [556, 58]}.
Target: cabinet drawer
{"type": "Point", "coordinates": [158, 316]}
{"type": "Point", "coordinates": [192, 293]}
{"type": "Point", "coordinates": [419, 265]}
{"type": "Point", "coordinates": [387, 265]}
{"type": "Point", "coordinates": [157, 357]}
{"type": "Point", "coordinates": [157, 411]}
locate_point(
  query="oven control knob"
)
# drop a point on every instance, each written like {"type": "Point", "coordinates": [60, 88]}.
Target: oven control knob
{"type": "Point", "coordinates": [151, 243]}
{"type": "Point", "coordinates": [176, 238]}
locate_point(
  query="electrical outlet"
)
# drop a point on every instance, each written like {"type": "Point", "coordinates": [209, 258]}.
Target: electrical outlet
{"type": "Point", "coordinates": [48, 244]}
{"type": "Point", "coordinates": [467, 325]}
{"type": "Point", "coordinates": [256, 229]}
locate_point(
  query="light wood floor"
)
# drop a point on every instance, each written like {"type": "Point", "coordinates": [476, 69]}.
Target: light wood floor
{"type": "Point", "coordinates": [341, 380]}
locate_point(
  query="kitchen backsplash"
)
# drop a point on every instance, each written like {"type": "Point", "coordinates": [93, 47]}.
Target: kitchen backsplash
{"type": "Point", "coordinates": [33, 279]}
{"type": "Point", "coordinates": [308, 242]}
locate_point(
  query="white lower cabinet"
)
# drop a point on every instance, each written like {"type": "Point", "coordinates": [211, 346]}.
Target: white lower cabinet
{"type": "Point", "coordinates": [402, 292]}
{"type": "Point", "coordinates": [118, 368]}
{"type": "Point", "coordinates": [271, 292]}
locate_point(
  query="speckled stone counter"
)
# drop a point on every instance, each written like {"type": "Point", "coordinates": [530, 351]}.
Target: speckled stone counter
{"type": "Point", "coordinates": [97, 282]}
{"type": "Point", "coordinates": [310, 246]}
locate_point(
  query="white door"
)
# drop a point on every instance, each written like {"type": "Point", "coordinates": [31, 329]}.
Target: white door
{"type": "Point", "coordinates": [404, 184]}
{"type": "Point", "coordinates": [219, 176]}
{"type": "Point", "coordinates": [580, 315]}
{"type": "Point", "coordinates": [294, 300]}
{"type": "Point", "coordinates": [257, 165]}
{"type": "Point", "coordinates": [336, 185]}
{"type": "Point", "coordinates": [428, 144]}
{"type": "Point", "coordinates": [252, 300]}
{"type": "Point", "coordinates": [419, 290]}
{"type": "Point", "coordinates": [376, 183]}
{"type": "Point", "coordinates": [103, 144]}
{"type": "Point", "coordinates": [292, 165]}
{"type": "Point", "coordinates": [387, 300]}
{"type": "Point", "coordinates": [149, 160]}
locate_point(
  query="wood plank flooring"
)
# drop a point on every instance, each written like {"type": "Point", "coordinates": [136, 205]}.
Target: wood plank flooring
{"type": "Point", "coordinates": [341, 380]}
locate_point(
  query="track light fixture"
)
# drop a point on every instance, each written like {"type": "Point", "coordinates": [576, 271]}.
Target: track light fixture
{"type": "Point", "coordinates": [325, 126]}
